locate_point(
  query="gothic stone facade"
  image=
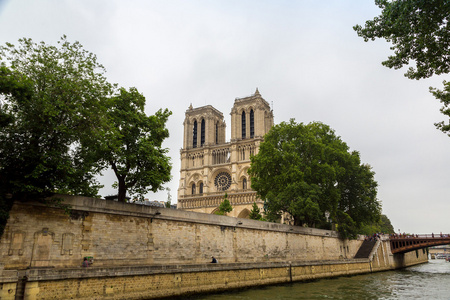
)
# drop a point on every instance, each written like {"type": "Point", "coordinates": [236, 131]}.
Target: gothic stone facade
{"type": "Point", "coordinates": [211, 167]}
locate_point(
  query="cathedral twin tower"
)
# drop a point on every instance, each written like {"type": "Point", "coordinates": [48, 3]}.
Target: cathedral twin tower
{"type": "Point", "coordinates": [211, 167]}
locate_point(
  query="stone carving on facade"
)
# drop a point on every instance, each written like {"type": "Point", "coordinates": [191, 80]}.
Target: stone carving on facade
{"type": "Point", "coordinates": [42, 247]}
{"type": "Point", "coordinates": [16, 243]}
{"type": "Point", "coordinates": [67, 244]}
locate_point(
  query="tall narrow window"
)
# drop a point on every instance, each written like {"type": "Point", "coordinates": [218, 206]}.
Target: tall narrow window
{"type": "Point", "coordinates": [200, 188]}
{"type": "Point", "coordinates": [202, 134]}
{"type": "Point", "coordinates": [217, 133]}
{"type": "Point", "coordinates": [193, 189]}
{"type": "Point", "coordinates": [244, 184]}
{"type": "Point", "coordinates": [243, 124]}
{"type": "Point", "coordinates": [252, 124]}
{"type": "Point", "coordinates": [194, 137]}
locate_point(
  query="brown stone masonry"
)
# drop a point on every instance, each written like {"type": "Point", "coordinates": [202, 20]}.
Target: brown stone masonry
{"type": "Point", "coordinates": [139, 252]}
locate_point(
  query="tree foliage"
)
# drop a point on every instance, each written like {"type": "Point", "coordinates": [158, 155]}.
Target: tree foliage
{"type": "Point", "coordinates": [386, 225]}
{"type": "Point", "coordinates": [306, 170]}
{"type": "Point", "coordinates": [224, 207]}
{"type": "Point", "coordinates": [51, 113]}
{"type": "Point", "coordinates": [419, 32]}
{"type": "Point", "coordinates": [61, 122]}
{"type": "Point", "coordinates": [53, 101]}
{"type": "Point", "coordinates": [255, 213]}
{"type": "Point", "coordinates": [382, 226]}
{"type": "Point", "coordinates": [133, 145]}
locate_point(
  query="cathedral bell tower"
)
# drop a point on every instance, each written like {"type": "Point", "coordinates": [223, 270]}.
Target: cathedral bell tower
{"type": "Point", "coordinates": [211, 167]}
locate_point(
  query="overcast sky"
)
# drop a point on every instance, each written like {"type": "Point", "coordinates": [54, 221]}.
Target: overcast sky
{"type": "Point", "coordinates": [303, 56]}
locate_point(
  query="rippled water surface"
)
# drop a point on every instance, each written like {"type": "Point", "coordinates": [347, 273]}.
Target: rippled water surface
{"type": "Point", "coordinates": [426, 281]}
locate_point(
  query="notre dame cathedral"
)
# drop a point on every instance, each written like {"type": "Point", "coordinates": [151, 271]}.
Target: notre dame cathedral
{"type": "Point", "coordinates": [211, 167]}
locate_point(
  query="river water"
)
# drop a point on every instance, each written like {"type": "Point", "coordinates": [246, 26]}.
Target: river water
{"type": "Point", "coordinates": [426, 281]}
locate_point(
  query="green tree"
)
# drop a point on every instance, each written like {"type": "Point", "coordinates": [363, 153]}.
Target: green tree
{"type": "Point", "coordinates": [306, 170]}
{"type": "Point", "coordinates": [419, 32]}
{"type": "Point", "coordinates": [386, 225]}
{"type": "Point", "coordinates": [45, 146]}
{"type": "Point", "coordinates": [224, 207]}
{"type": "Point", "coordinates": [15, 86]}
{"type": "Point", "coordinates": [52, 107]}
{"type": "Point", "coordinates": [133, 145]}
{"type": "Point", "coordinates": [255, 213]}
{"type": "Point", "coordinates": [382, 226]}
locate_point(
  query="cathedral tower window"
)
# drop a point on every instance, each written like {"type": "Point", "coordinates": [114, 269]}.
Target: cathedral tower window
{"type": "Point", "coordinates": [217, 133]}
{"type": "Point", "coordinates": [194, 137]}
{"type": "Point", "coordinates": [242, 152]}
{"type": "Point", "coordinates": [202, 134]}
{"type": "Point", "coordinates": [200, 188]}
{"type": "Point", "coordinates": [244, 183]}
{"type": "Point", "coordinates": [252, 124]}
{"type": "Point", "coordinates": [243, 124]}
{"type": "Point", "coordinates": [193, 189]}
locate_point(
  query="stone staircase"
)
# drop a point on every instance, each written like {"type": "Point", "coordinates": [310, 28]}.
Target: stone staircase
{"type": "Point", "coordinates": [20, 288]}
{"type": "Point", "coordinates": [365, 249]}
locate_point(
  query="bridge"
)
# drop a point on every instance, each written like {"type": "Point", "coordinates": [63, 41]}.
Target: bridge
{"type": "Point", "coordinates": [408, 242]}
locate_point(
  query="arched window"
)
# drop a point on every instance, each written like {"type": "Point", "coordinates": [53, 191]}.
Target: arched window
{"type": "Point", "coordinates": [194, 137]}
{"type": "Point", "coordinates": [202, 134]}
{"type": "Point", "coordinates": [193, 189]}
{"type": "Point", "coordinates": [200, 188]}
{"type": "Point", "coordinates": [217, 133]}
{"type": "Point", "coordinates": [252, 124]}
{"type": "Point", "coordinates": [243, 124]}
{"type": "Point", "coordinates": [244, 183]}
{"type": "Point", "coordinates": [252, 150]}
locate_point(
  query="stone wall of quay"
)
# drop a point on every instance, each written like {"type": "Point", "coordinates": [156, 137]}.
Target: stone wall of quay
{"type": "Point", "coordinates": [140, 252]}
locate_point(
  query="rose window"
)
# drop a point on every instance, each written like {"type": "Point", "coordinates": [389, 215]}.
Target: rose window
{"type": "Point", "coordinates": [222, 181]}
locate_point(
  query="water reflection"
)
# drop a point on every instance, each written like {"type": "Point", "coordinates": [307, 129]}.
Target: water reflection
{"type": "Point", "coordinates": [426, 281]}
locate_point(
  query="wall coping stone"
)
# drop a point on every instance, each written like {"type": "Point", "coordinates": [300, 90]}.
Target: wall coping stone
{"type": "Point", "coordinates": [98, 205]}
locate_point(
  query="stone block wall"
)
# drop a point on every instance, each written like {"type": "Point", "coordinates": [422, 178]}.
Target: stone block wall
{"type": "Point", "coordinates": [142, 252]}
{"type": "Point", "coordinates": [117, 234]}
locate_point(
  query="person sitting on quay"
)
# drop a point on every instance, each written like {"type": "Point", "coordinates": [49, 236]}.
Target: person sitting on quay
{"type": "Point", "coordinates": [85, 263]}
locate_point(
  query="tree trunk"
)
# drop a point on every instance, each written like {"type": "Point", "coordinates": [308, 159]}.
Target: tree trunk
{"type": "Point", "coordinates": [122, 190]}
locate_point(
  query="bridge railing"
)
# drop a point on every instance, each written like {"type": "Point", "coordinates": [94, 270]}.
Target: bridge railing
{"type": "Point", "coordinates": [420, 236]}
{"type": "Point", "coordinates": [402, 243]}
